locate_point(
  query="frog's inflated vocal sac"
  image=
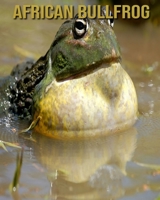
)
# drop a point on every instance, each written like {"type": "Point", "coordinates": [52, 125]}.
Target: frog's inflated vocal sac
{"type": "Point", "coordinates": [79, 87]}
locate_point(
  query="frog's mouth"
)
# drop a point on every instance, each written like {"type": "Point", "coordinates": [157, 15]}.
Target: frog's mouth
{"type": "Point", "coordinates": [91, 68]}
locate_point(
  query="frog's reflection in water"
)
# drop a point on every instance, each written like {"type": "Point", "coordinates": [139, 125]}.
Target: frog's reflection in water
{"type": "Point", "coordinates": [90, 168]}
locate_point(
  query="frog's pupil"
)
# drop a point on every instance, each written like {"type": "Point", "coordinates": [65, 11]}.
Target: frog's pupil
{"type": "Point", "coordinates": [79, 25]}
{"type": "Point", "coordinates": [111, 21]}
{"type": "Point", "coordinates": [79, 28]}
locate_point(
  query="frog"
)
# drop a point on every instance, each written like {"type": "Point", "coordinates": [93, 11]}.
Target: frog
{"type": "Point", "coordinates": [79, 88]}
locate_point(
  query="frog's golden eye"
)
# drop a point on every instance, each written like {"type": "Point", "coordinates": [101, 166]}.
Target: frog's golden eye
{"type": "Point", "coordinates": [111, 21]}
{"type": "Point", "coordinates": [80, 27]}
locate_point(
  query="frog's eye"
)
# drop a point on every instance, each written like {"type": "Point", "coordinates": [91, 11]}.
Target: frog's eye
{"type": "Point", "coordinates": [80, 27]}
{"type": "Point", "coordinates": [111, 21]}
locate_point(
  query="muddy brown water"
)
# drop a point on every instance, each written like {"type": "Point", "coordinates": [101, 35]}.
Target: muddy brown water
{"type": "Point", "coordinates": [123, 166]}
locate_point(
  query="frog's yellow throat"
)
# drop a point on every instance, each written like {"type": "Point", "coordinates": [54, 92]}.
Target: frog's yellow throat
{"type": "Point", "coordinates": [100, 103]}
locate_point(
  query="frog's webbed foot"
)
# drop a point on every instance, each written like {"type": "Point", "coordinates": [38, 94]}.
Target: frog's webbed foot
{"type": "Point", "coordinates": [3, 145]}
{"type": "Point", "coordinates": [32, 125]}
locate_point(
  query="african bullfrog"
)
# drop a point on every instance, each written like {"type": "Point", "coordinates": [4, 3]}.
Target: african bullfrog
{"type": "Point", "coordinates": [79, 88]}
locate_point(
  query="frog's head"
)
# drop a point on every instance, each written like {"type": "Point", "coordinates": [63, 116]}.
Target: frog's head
{"type": "Point", "coordinates": [81, 46]}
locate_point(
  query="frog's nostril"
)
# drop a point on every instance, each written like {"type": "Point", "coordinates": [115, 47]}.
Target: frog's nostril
{"type": "Point", "coordinates": [99, 33]}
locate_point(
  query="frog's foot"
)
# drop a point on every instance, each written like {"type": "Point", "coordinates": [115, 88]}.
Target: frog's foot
{"type": "Point", "coordinates": [32, 125]}
{"type": "Point", "coordinates": [3, 143]}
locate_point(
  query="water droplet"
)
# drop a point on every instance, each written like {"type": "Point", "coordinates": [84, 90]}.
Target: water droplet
{"type": "Point", "coordinates": [150, 83]}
